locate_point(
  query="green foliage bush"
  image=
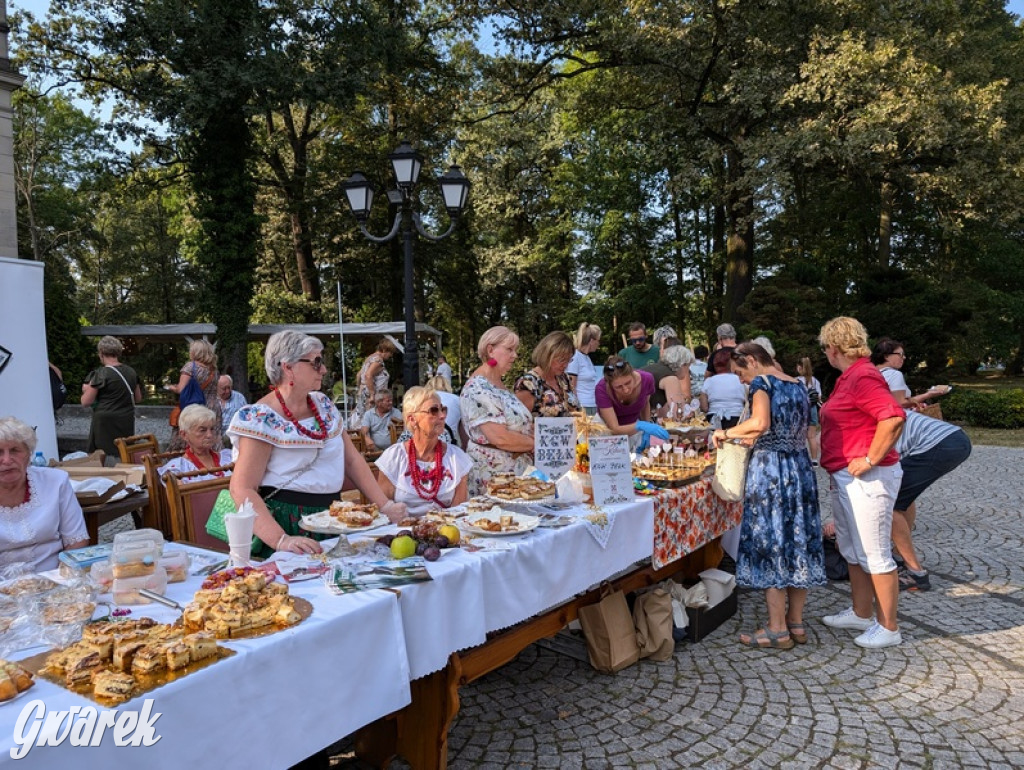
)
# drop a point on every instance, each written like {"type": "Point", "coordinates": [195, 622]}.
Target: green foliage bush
{"type": "Point", "coordinates": [1002, 409]}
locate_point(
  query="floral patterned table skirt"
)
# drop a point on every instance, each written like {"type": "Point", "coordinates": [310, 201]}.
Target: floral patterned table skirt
{"type": "Point", "coordinates": [688, 517]}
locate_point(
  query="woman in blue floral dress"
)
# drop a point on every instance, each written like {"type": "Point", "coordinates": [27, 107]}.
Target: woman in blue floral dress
{"type": "Point", "coordinates": [780, 536]}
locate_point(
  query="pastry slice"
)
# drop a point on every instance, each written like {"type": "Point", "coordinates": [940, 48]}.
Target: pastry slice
{"type": "Point", "coordinates": [287, 615]}
{"type": "Point", "coordinates": [125, 649]}
{"type": "Point", "coordinates": [206, 596]}
{"type": "Point", "coordinates": [148, 660]}
{"type": "Point", "coordinates": [81, 668]}
{"type": "Point", "coordinates": [201, 645]}
{"type": "Point", "coordinates": [113, 684]}
{"type": "Point", "coordinates": [21, 677]}
{"type": "Point", "coordinates": [178, 655]}
{"type": "Point", "coordinates": [254, 582]}
{"type": "Point", "coordinates": [194, 615]}
{"type": "Point", "coordinates": [101, 645]}
{"type": "Point", "coordinates": [8, 689]}
{"type": "Point", "coordinates": [275, 589]}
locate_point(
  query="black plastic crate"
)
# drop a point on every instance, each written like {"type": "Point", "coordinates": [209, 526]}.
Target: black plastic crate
{"type": "Point", "coordinates": [704, 621]}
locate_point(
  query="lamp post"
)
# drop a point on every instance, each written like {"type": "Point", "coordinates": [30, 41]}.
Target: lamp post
{"type": "Point", "coordinates": [406, 163]}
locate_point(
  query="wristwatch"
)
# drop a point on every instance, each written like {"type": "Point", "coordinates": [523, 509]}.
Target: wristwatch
{"type": "Point", "coordinates": [868, 461]}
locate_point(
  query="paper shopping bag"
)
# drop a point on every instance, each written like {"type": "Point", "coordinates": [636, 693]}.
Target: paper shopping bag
{"type": "Point", "coordinates": [652, 617]}
{"type": "Point", "coordinates": [610, 634]}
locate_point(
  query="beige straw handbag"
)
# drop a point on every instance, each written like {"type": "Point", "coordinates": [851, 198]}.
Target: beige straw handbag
{"type": "Point", "coordinates": [730, 477]}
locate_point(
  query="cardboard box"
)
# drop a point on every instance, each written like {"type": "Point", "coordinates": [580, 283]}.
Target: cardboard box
{"type": "Point", "coordinates": [703, 621]}
{"type": "Point", "coordinates": [95, 460]}
{"type": "Point", "coordinates": [87, 498]}
{"type": "Point", "coordinates": [126, 474]}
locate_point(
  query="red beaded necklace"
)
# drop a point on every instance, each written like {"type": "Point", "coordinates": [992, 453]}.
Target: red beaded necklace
{"type": "Point", "coordinates": [318, 435]}
{"type": "Point", "coordinates": [194, 459]}
{"type": "Point", "coordinates": [428, 484]}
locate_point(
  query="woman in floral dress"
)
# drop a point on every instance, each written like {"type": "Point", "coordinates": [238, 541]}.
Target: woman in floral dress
{"type": "Point", "coordinates": [546, 389]}
{"type": "Point", "coordinates": [373, 377]}
{"type": "Point", "coordinates": [500, 428]}
{"type": "Point", "coordinates": [780, 535]}
{"type": "Point", "coordinates": [202, 364]}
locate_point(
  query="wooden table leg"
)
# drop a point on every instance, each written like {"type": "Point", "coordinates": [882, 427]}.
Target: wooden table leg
{"type": "Point", "coordinates": [92, 526]}
{"type": "Point", "coordinates": [423, 724]}
{"type": "Point", "coordinates": [419, 732]}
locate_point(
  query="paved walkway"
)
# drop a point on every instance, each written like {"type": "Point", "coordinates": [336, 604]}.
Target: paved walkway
{"type": "Point", "coordinates": [952, 696]}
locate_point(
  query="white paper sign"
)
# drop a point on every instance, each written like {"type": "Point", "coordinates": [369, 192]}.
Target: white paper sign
{"type": "Point", "coordinates": [610, 469]}
{"type": "Point", "coordinates": [554, 445]}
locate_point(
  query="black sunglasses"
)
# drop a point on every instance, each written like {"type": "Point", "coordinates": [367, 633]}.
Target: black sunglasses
{"type": "Point", "coordinates": [609, 368]}
{"type": "Point", "coordinates": [316, 363]}
{"type": "Point", "coordinates": [635, 340]}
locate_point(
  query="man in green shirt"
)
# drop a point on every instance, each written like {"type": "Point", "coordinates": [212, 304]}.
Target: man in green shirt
{"type": "Point", "coordinates": [640, 352]}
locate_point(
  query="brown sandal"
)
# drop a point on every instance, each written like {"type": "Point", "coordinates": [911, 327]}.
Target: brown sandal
{"type": "Point", "coordinates": [766, 639]}
{"type": "Point", "coordinates": [797, 632]}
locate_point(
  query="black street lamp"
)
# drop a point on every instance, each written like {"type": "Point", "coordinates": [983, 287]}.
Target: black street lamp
{"type": "Point", "coordinates": [406, 162]}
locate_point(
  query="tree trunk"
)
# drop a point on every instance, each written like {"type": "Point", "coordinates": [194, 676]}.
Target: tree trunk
{"type": "Point", "coordinates": [887, 198]}
{"type": "Point", "coordinates": [739, 246]}
{"type": "Point", "coordinates": [302, 245]}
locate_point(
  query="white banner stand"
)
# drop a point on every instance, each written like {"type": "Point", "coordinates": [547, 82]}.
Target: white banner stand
{"type": "Point", "coordinates": [25, 380]}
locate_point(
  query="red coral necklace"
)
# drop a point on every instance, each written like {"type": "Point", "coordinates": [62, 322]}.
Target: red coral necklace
{"type": "Point", "coordinates": [428, 484]}
{"type": "Point", "coordinates": [317, 435]}
{"type": "Point", "coordinates": [193, 458]}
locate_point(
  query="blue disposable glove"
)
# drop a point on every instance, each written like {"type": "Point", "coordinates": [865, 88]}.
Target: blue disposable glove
{"type": "Point", "coordinates": [651, 429]}
{"type": "Point", "coordinates": [645, 441]}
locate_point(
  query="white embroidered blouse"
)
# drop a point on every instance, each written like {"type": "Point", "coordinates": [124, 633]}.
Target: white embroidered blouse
{"type": "Point", "coordinates": [297, 462]}
{"type": "Point", "coordinates": [36, 531]}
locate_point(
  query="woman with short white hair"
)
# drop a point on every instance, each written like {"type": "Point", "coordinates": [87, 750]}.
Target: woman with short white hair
{"type": "Point", "coordinates": [198, 428]}
{"type": "Point", "coordinates": [671, 376]}
{"type": "Point", "coordinates": [39, 515]}
{"type": "Point", "coordinates": [424, 472]}
{"type": "Point", "coordinates": [292, 452]}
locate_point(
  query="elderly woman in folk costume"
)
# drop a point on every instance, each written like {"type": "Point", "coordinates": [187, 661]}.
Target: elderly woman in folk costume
{"type": "Point", "coordinates": [39, 515]}
{"type": "Point", "coordinates": [292, 453]}
{"type": "Point", "coordinates": [424, 472]}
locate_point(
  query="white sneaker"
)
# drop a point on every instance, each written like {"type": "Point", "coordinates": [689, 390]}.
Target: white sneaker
{"type": "Point", "coordinates": [878, 636]}
{"type": "Point", "coordinates": [848, 619]}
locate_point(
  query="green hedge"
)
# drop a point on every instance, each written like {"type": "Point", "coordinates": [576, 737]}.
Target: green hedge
{"type": "Point", "coordinates": [1002, 409]}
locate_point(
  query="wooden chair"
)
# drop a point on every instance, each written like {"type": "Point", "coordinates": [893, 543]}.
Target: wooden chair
{"type": "Point", "coordinates": [159, 515]}
{"type": "Point", "coordinates": [395, 429]}
{"type": "Point", "coordinates": [190, 505]}
{"type": "Point", "coordinates": [134, 448]}
{"type": "Point", "coordinates": [358, 440]}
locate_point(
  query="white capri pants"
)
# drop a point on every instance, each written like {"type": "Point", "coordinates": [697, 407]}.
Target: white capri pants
{"type": "Point", "coordinates": [862, 510]}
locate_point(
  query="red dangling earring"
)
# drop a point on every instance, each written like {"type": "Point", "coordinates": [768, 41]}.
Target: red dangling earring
{"type": "Point", "coordinates": [291, 383]}
{"type": "Point", "coordinates": [492, 362]}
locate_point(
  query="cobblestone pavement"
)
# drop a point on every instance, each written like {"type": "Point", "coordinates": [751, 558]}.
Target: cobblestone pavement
{"type": "Point", "coordinates": [951, 696]}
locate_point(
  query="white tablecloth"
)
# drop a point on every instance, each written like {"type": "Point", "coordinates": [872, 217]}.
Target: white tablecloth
{"type": "Point", "coordinates": [473, 594]}
{"type": "Point", "coordinates": [280, 699]}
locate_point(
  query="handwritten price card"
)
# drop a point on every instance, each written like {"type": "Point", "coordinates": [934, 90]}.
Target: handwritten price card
{"type": "Point", "coordinates": [610, 469]}
{"type": "Point", "coordinates": [554, 445]}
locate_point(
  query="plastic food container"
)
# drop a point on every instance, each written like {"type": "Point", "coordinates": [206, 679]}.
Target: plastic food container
{"type": "Point", "coordinates": [126, 590]}
{"type": "Point", "coordinates": [135, 559]}
{"type": "Point", "coordinates": [177, 565]}
{"type": "Point", "coordinates": [102, 574]}
{"type": "Point", "coordinates": [124, 539]}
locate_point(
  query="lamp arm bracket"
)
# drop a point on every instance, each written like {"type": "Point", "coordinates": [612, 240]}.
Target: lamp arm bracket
{"type": "Point", "coordinates": [377, 239]}
{"type": "Point", "coordinates": [423, 232]}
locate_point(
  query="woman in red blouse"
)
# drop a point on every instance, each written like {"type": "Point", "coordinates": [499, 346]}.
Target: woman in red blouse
{"type": "Point", "coordinates": [860, 423]}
